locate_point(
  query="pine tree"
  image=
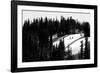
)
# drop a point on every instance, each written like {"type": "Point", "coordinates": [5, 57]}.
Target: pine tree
{"type": "Point", "coordinates": [81, 51]}
{"type": "Point", "coordinates": [87, 49]}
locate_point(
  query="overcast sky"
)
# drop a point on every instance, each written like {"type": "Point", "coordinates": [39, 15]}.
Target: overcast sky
{"type": "Point", "coordinates": [37, 14]}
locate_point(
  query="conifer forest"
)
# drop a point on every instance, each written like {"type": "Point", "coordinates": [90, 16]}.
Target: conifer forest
{"type": "Point", "coordinates": [48, 39]}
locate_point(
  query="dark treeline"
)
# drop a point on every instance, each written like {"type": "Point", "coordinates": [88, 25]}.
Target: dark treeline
{"type": "Point", "coordinates": [37, 38]}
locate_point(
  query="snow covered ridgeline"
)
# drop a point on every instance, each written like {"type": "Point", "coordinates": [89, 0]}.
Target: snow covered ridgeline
{"type": "Point", "coordinates": [72, 42]}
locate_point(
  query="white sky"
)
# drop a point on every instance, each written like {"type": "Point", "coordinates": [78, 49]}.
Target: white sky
{"type": "Point", "coordinates": [37, 14]}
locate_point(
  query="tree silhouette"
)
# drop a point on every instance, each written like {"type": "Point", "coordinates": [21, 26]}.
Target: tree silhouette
{"type": "Point", "coordinates": [58, 52]}
{"type": "Point", "coordinates": [81, 51]}
{"type": "Point", "coordinates": [87, 49]}
{"type": "Point", "coordinates": [86, 29]}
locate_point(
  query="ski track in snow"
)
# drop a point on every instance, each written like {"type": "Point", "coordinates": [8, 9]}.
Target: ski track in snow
{"type": "Point", "coordinates": [73, 41]}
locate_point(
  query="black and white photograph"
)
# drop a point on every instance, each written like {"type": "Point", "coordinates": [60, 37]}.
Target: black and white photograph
{"type": "Point", "coordinates": [51, 36]}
